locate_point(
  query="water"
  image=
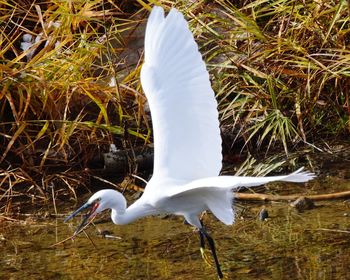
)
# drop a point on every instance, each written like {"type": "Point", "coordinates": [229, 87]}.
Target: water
{"type": "Point", "coordinates": [313, 244]}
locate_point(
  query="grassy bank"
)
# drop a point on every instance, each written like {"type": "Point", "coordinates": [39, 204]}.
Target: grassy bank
{"type": "Point", "coordinates": [70, 85]}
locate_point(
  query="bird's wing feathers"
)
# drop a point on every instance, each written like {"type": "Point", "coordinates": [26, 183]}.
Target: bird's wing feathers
{"type": "Point", "coordinates": [216, 192]}
{"type": "Point", "coordinates": [184, 112]}
{"type": "Point", "coordinates": [234, 182]}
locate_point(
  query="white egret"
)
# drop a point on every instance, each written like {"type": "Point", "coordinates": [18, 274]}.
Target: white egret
{"type": "Point", "coordinates": [187, 142]}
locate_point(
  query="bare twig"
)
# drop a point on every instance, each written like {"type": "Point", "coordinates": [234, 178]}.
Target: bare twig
{"type": "Point", "coordinates": [272, 197]}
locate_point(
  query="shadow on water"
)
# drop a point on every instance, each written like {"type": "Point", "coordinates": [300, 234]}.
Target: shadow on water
{"type": "Point", "coordinates": [313, 244]}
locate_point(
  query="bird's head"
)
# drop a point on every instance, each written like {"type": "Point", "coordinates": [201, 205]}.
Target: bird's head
{"type": "Point", "coordinates": [98, 202]}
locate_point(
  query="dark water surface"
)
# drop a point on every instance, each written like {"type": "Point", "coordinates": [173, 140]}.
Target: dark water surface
{"type": "Point", "coordinates": [313, 244]}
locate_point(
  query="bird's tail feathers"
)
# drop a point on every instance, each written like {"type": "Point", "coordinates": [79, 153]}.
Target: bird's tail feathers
{"type": "Point", "coordinates": [299, 176]}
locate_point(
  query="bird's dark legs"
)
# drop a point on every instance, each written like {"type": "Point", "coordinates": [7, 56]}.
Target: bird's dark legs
{"type": "Point", "coordinates": [201, 239]}
{"type": "Point", "coordinates": [202, 234]}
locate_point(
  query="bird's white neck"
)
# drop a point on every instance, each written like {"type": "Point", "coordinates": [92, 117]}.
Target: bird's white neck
{"type": "Point", "coordinates": [121, 215]}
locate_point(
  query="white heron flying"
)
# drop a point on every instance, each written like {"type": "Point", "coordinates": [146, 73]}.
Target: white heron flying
{"type": "Point", "coordinates": [187, 142]}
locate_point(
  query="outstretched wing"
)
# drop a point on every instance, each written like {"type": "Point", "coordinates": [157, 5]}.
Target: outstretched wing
{"type": "Point", "coordinates": [216, 192]}
{"type": "Point", "coordinates": [187, 141]}
{"type": "Point", "coordinates": [234, 182]}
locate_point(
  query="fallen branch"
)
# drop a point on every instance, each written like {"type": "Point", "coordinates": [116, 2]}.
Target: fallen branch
{"type": "Point", "coordinates": [272, 197]}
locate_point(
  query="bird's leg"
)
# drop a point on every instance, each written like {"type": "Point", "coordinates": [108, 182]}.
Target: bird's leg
{"type": "Point", "coordinates": [212, 249]}
{"type": "Point", "coordinates": [201, 238]}
{"type": "Point", "coordinates": [202, 246]}
{"type": "Point", "coordinates": [205, 257]}
{"type": "Point", "coordinates": [201, 241]}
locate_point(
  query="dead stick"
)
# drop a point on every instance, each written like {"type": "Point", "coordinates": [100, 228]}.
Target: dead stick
{"type": "Point", "coordinates": [272, 197]}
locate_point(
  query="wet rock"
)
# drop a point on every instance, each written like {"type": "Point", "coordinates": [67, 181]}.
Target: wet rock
{"type": "Point", "coordinates": [108, 234]}
{"type": "Point", "coordinates": [303, 203]}
{"type": "Point", "coordinates": [263, 214]}
{"type": "Point", "coordinates": [104, 232]}
{"type": "Point", "coordinates": [347, 203]}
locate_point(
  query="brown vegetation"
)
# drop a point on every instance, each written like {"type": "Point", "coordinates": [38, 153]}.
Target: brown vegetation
{"type": "Point", "coordinates": [280, 70]}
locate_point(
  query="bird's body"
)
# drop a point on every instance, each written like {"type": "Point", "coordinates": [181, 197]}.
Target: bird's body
{"type": "Point", "coordinates": [184, 199]}
{"type": "Point", "coordinates": [187, 142]}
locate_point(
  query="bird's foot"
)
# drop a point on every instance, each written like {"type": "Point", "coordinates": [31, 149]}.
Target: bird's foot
{"type": "Point", "coordinates": [205, 257]}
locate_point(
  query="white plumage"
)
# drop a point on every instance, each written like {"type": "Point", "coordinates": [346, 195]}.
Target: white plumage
{"type": "Point", "coordinates": [187, 142]}
{"type": "Point", "coordinates": [184, 112]}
